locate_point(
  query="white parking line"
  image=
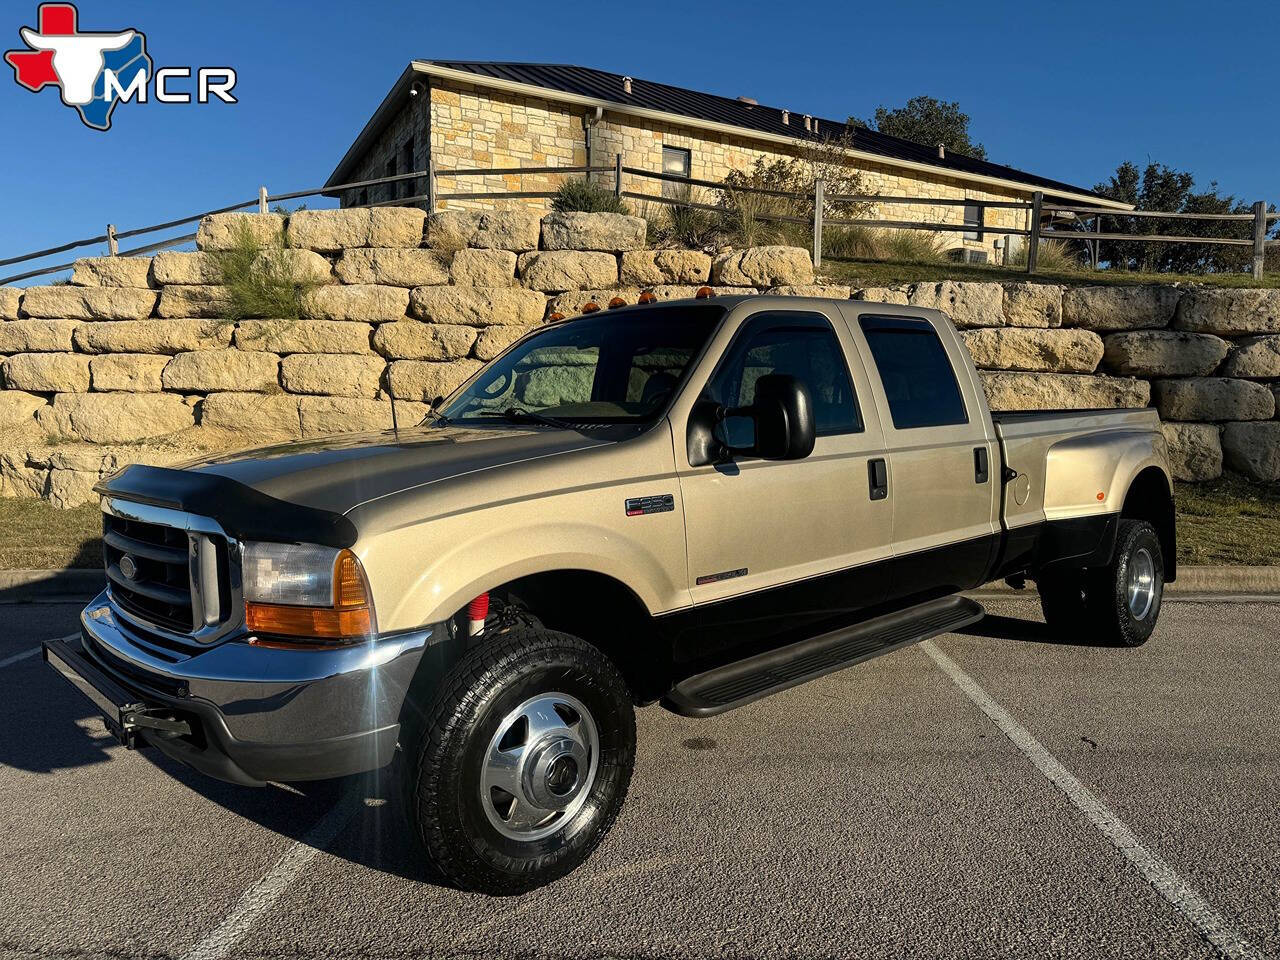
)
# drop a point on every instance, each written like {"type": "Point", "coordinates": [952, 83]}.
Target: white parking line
{"type": "Point", "coordinates": [18, 657]}
{"type": "Point", "coordinates": [1184, 898]}
{"type": "Point", "coordinates": [258, 899]}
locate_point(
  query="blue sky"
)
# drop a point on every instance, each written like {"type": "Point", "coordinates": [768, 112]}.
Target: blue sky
{"type": "Point", "coordinates": [1067, 90]}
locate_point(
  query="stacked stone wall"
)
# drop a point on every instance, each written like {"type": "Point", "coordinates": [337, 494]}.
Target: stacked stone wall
{"type": "Point", "coordinates": [134, 361]}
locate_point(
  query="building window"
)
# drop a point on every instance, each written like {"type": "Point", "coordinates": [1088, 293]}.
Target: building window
{"type": "Point", "coordinates": [408, 187]}
{"type": "Point", "coordinates": [389, 189]}
{"type": "Point", "coordinates": [973, 220]}
{"type": "Point", "coordinates": [675, 160]}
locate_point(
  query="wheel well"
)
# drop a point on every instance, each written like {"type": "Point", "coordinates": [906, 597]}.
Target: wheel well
{"type": "Point", "coordinates": [605, 613]}
{"type": "Point", "coordinates": [1149, 498]}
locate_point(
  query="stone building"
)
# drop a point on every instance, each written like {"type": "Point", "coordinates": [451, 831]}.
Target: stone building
{"type": "Point", "coordinates": [483, 115]}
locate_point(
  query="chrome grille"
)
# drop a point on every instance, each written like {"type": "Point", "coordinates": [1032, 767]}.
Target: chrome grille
{"type": "Point", "coordinates": [148, 567]}
{"type": "Point", "coordinates": [171, 574]}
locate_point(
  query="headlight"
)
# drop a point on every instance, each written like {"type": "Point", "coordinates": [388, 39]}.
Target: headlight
{"type": "Point", "coordinates": [305, 591]}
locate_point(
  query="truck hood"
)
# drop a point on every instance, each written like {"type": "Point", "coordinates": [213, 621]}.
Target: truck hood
{"type": "Point", "coordinates": [338, 473]}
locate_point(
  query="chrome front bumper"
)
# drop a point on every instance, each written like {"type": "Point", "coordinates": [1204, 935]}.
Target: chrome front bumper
{"type": "Point", "coordinates": [255, 713]}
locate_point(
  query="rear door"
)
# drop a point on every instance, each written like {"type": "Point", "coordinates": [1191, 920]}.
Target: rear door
{"type": "Point", "coordinates": [777, 548]}
{"type": "Point", "coordinates": [943, 456]}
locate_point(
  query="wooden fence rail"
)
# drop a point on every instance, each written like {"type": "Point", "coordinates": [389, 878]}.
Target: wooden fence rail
{"type": "Point", "coordinates": [1035, 230]}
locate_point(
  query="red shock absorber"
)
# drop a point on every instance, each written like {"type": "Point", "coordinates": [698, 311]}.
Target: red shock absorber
{"type": "Point", "coordinates": [477, 612]}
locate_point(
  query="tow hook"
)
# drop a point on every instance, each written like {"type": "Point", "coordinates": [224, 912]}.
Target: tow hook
{"type": "Point", "coordinates": [136, 716]}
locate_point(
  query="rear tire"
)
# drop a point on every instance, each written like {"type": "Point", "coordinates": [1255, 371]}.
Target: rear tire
{"type": "Point", "coordinates": [1125, 595]}
{"type": "Point", "coordinates": [1114, 605]}
{"type": "Point", "coordinates": [521, 763]}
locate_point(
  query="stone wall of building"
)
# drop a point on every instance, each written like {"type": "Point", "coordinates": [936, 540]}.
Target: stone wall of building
{"type": "Point", "coordinates": [134, 361]}
{"type": "Point", "coordinates": [470, 127]}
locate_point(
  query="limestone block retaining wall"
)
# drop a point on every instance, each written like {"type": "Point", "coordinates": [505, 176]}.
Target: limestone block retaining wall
{"type": "Point", "coordinates": [133, 361]}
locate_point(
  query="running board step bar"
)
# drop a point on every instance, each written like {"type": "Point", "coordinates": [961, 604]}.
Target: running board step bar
{"type": "Point", "coordinates": [735, 684]}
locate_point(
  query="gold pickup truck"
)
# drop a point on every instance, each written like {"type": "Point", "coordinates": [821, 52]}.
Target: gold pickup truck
{"type": "Point", "coordinates": [694, 503]}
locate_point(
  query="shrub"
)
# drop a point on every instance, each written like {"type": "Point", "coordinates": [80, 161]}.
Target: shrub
{"type": "Point", "coordinates": [689, 226]}
{"type": "Point", "coordinates": [849, 243]}
{"type": "Point", "coordinates": [581, 195]}
{"type": "Point", "coordinates": [909, 246]}
{"type": "Point", "coordinates": [1055, 257]}
{"type": "Point", "coordinates": [261, 281]}
{"type": "Point", "coordinates": [655, 218]}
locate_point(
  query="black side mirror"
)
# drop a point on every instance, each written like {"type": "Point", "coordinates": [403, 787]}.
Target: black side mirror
{"type": "Point", "coordinates": [780, 421]}
{"type": "Point", "coordinates": [783, 414]}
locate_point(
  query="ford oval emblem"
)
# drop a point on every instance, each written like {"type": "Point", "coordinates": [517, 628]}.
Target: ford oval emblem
{"type": "Point", "coordinates": [129, 567]}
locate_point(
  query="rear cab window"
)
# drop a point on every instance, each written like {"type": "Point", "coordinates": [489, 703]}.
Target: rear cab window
{"type": "Point", "coordinates": [918, 378]}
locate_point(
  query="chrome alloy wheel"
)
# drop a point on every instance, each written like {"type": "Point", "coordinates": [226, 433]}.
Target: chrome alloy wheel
{"type": "Point", "coordinates": [539, 766]}
{"type": "Point", "coordinates": [1141, 585]}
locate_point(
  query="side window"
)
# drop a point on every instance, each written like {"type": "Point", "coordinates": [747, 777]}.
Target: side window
{"type": "Point", "coordinates": [407, 187]}
{"type": "Point", "coordinates": [675, 160]}
{"type": "Point", "coordinates": [917, 376]}
{"type": "Point", "coordinates": [802, 345]}
{"type": "Point", "coordinates": [390, 171]}
{"type": "Point", "coordinates": [973, 221]}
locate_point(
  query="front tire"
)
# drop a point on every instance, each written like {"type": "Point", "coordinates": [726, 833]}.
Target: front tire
{"type": "Point", "coordinates": [522, 761]}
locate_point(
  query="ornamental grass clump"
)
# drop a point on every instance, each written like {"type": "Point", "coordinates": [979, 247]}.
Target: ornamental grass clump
{"type": "Point", "coordinates": [261, 280]}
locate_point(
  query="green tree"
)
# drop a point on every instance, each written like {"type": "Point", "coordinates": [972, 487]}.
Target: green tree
{"type": "Point", "coordinates": [1161, 188]}
{"type": "Point", "coordinates": [928, 121]}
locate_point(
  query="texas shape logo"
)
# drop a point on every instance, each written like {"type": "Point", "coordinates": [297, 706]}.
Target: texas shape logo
{"type": "Point", "coordinates": [81, 63]}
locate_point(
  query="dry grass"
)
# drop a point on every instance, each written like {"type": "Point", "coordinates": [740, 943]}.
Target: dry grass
{"type": "Point", "coordinates": [859, 272]}
{"type": "Point", "coordinates": [1228, 521]}
{"type": "Point", "coordinates": [38, 536]}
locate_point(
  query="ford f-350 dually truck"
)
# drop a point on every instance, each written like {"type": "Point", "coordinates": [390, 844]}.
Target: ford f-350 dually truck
{"type": "Point", "coordinates": [695, 503]}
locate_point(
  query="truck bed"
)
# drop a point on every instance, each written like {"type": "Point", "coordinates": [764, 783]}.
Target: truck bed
{"type": "Point", "coordinates": [1063, 459]}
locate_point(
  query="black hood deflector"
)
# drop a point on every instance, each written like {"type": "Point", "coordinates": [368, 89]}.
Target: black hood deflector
{"type": "Point", "coordinates": [243, 512]}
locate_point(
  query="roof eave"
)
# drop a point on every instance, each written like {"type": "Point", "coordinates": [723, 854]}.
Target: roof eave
{"type": "Point", "coordinates": [377, 123]}
{"type": "Point", "coordinates": [380, 120]}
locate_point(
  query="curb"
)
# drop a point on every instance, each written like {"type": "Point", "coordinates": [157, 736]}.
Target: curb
{"type": "Point", "coordinates": [1225, 580]}
{"type": "Point", "coordinates": [26, 586]}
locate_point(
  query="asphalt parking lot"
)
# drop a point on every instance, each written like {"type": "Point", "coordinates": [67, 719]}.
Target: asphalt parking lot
{"type": "Point", "coordinates": [921, 804]}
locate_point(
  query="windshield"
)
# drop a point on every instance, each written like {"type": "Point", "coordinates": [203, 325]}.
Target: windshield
{"type": "Point", "coordinates": [603, 368]}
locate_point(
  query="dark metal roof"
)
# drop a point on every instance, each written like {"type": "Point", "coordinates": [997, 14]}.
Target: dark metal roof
{"type": "Point", "coordinates": [602, 85]}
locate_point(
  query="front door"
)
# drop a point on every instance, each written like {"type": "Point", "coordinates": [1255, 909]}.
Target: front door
{"type": "Point", "coordinates": [777, 549]}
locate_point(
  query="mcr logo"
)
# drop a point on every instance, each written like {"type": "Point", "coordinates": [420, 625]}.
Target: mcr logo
{"type": "Point", "coordinates": [97, 70]}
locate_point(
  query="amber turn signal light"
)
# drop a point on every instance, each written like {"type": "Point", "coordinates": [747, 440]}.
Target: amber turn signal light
{"type": "Point", "coordinates": [704, 292]}
{"type": "Point", "coordinates": [617, 302]}
{"type": "Point", "coordinates": [647, 296]}
{"type": "Point", "coordinates": [348, 620]}
{"type": "Point", "coordinates": [556, 316]}
{"type": "Point", "coordinates": [590, 307]}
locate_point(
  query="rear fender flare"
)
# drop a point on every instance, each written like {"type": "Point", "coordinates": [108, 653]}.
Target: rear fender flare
{"type": "Point", "coordinates": [1091, 475]}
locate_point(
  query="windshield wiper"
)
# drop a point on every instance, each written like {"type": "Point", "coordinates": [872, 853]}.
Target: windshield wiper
{"type": "Point", "coordinates": [437, 416]}
{"type": "Point", "coordinates": [517, 415]}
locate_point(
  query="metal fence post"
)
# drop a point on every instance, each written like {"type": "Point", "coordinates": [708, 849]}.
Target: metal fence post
{"type": "Point", "coordinates": [262, 199]}
{"type": "Point", "coordinates": [1259, 238]}
{"type": "Point", "coordinates": [1033, 241]}
{"type": "Point", "coordinates": [112, 247]}
{"type": "Point", "coordinates": [431, 184]}
{"type": "Point", "coordinates": [817, 223]}
{"type": "Point", "coordinates": [617, 174]}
